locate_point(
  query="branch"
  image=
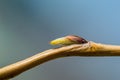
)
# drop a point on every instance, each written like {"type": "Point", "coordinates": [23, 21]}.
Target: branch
{"type": "Point", "coordinates": [86, 49]}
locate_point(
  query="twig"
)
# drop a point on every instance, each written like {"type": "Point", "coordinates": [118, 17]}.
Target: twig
{"type": "Point", "coordinates": [86, 49]}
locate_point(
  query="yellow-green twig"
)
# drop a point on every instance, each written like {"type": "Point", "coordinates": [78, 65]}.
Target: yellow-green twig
{"type": "Point", "coordinates": [87, 49]}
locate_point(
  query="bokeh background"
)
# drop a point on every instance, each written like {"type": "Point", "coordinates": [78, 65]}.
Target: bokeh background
{"type": "Point", "coordinates": [27, 26]}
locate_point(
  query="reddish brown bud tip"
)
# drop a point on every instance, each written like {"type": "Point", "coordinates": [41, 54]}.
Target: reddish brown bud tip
{"type": "Point", "coordinates": [76, 39]}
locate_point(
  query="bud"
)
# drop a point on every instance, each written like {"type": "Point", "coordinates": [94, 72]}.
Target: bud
{"type": "Point", "coordinates": [68, 40]}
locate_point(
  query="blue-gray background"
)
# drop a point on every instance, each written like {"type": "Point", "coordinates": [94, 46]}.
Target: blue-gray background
{"type": "Point", "coordinates": [27, 26]}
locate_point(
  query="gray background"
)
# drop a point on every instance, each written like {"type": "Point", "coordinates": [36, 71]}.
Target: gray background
{"type": "Point", "coordinates": [27, 26]}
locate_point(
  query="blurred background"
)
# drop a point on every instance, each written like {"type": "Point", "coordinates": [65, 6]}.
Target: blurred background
{"type": "Point", "coordinates": [27, 26]}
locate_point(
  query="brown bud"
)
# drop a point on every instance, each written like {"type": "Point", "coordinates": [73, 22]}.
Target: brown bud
{"type": "Point", "coordinates": [76, 39]}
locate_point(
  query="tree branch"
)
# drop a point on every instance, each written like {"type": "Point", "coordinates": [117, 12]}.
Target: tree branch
{"type": "Point", "coordinates": [86, 49]}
